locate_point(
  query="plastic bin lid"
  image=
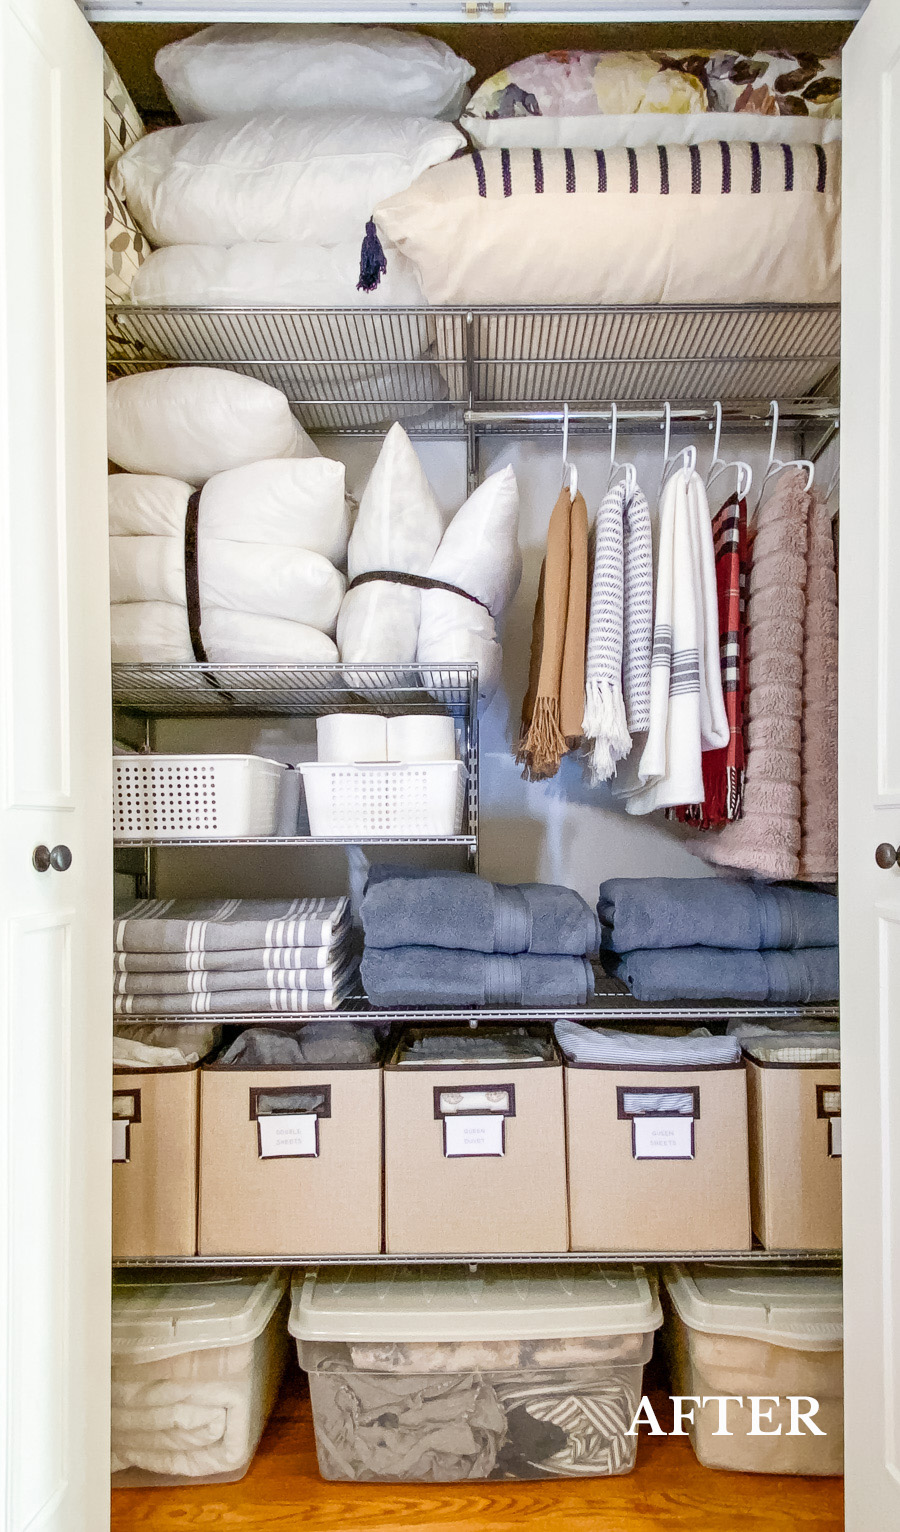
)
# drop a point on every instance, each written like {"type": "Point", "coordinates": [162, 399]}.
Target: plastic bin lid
{"type": "Point", "coordinates": [154, 1318]}
{"type": "Point", "coordinates": [799, 1309]}
{"type": "Point", "coordinates": [455, 1303]}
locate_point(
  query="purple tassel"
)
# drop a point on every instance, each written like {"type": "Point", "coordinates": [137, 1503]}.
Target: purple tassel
{"type": "Point", "coordinates": [372, 261]}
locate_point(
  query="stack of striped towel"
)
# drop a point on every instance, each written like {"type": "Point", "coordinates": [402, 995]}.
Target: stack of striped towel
{"type": "Point", "coordinates": [178, 957]}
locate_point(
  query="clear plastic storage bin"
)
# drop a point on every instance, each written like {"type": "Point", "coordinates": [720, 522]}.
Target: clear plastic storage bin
{"type": "Point", "coordinates": [441, 1373]}
{"type": "Point", "coordinates": [206, 797]}
{"type": "Point", "coordinates": [196, 1365]}
{"type": "Point", "coordinates": [773, 1334]}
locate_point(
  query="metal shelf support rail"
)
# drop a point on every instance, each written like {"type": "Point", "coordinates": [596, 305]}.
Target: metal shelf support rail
{"type": "Point", "coordinates": [763, 1258]}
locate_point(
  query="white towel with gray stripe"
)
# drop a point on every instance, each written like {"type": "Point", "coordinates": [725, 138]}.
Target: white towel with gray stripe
{"type": "Point", "coordinates": [687, 705]}
{"type": "Point", "coordinates": [602, 1045]}
{"type": "Point", "coordinates": [620, 630]}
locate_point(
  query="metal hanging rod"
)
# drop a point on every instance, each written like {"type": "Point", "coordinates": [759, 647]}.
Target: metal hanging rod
{"type": "Point", "coordinates": [751, 414]}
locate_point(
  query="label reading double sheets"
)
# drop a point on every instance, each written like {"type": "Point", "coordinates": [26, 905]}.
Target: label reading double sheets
{"type": "Point", "coordinates": [120, 1141]}
{"type": "Point", "coordinates": [474, 1135]}
{"type": "Point", "coordinates": [288, 1136]}
{"type": "Point", "coordinates": [663, 1138]}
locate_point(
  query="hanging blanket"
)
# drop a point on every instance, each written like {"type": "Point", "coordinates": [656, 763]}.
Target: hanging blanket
{"type": "Point", "coordinates": [687, 708]}
{"type": "Point", "coordinates": [553, 708]}
{"type": "Point", "coordinates": [723, 770]}
{"type": "Point", "coordinates": [617, 689]}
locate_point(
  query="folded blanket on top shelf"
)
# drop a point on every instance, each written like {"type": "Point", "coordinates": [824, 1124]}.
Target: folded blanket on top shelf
{"type": "Point", "coordinates": [207, 925]}
{"type": "Point", "coordinates": [600, 1045]}
{"type": "Point", "coordinates": [432, 976]}
{"type": "Point", "coordinates": [808, 976]}
{"type": "Point", "coordinates": [637, 913]}
{"type": "Point", "coordinates": [459, 910]}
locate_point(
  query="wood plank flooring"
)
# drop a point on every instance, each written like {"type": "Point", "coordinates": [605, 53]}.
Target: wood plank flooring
{"type": "Point", "coordinates": [668, 1489]}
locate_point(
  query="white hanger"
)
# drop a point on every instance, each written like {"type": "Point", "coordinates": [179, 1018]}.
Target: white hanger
{"type": "Point", "coordinates": [775, 465]}
{"type": "Point", "coordinates": [718, 465]}
{"type": "Point", "coordinates": [629, 470]}
{"type": "Point", "coordinates": [570, 472]}
{"type": "Point", "coordinates": [688, 455]}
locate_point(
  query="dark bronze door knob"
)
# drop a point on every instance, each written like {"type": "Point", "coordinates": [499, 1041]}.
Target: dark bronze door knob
{"type": "Point", "coordinates": [60, 858]}
{"type": "Point", "coordinates": [886, 855]}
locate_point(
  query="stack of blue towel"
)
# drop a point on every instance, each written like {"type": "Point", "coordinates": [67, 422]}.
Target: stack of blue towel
{"type": "Point", "coordinates": [717, 939]}
{"type": "Point", "coordinates": [453, 939]}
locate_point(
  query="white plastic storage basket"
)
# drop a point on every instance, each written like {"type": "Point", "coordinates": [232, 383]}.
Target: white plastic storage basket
{"type": "Point", "coordinates": [202, 796]}
{"type": "Point", "coordinates": [384, 798]}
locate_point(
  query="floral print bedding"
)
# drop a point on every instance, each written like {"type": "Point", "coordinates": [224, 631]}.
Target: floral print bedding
{"type": "Point", "coordinates": [577, 83]}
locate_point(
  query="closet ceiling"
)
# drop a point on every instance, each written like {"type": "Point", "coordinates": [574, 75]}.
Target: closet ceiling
{"type": "Point", "coordinates": [491, 46]}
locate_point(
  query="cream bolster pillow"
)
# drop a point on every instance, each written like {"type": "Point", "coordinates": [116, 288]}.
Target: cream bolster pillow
{"type": "Point", "coordinates": [638, 130]}
{"type": "Point", "coordinates": [310, 178]}
{"type": "Point", "coordinates": [193, 422]}
{"type": "Point", "coordinates": [284, 274]}
{"type": "Point", "coordinates": [709, 223]}
{"type": "Point", "coordinates": [292, 502]}
{"type": "Point", "coordinates": [244, 577]}
{"type": "Point", "coordinates": [157, 632]}
{"type": "Point", "coordinates": [230, 69]}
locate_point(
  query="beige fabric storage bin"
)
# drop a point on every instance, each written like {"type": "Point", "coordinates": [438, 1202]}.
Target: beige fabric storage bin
{"type": "Point", "coordinates": [623, 1197]}
{"type": "Point", "coordinates": [309, 1184]}
{"type": "Point", "coordinates": [474, 1153]}
{"type": "Point", "coordinates": [795, 1153]}
{"type": "Point", "coordinates": [774, 1333]}
{"type": "Point", "coordinates": [154, 1171]}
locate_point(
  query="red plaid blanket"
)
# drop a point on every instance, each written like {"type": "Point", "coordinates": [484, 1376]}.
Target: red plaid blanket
{"type": "Point", "coordinates": [723, 770]}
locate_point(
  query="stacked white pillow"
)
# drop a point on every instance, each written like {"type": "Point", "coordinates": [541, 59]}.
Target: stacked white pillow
{"type": "Point", "coordinates": [272, 531]}
{"type": "Point", "coordinates": [400, 530]}
{"type": "Point", "coordinates": [292, 135]}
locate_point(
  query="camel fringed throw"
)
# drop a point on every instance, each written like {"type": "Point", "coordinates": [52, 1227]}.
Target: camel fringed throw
{"type": "Point", "coordinates": [620, 632]}
{"type": "Point", "coordinates": [723, 770]}
{"type": "Point", "coordinates": [553, 708]}
{"type": "Point", "coordinates": [790, 796]}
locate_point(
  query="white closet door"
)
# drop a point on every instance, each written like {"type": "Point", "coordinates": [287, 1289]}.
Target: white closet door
{"type": "Point", "coordinates": [54, 778]}
{"type": "Point", "coordinates": [870, 767]}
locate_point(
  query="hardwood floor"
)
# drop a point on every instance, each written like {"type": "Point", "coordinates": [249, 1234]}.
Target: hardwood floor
{"type": "Point", "coordinates": [668, 1489]}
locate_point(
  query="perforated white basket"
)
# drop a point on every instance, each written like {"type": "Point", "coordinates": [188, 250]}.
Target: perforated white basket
{"type": "Point", "coordinates": [379, 798]}
{"type": "Point", "coordinates": [204, 797]}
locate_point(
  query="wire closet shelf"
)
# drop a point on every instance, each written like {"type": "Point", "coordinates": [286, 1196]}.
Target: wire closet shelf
{"type": "Point", "coordinates": [355, 371]}
{"type": "Point", "coordinates": [799, 1258]}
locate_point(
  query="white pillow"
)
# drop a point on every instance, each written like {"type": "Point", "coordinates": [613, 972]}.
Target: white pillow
{"type": "Point", "coordinates": [283, 275]}
{"type": "Point", "coordinates": [262, 578]}
{"type": "Point", "coordinates": [480, 551]}
{"type": "Point", "coordinates": [637, 130]}
{"type": "Point", "coordinates": [310, 178]}
{"type": "Point", "coordinates": [157, 633]}
{"type": "Point", "coordinates": [400, 523]}
{"type": "Point", "coordinates": [229, 69]}
{"type": "Point", "coordinates": [192, 422]}
{"type": "Point", "coordinates": [398, 527]}
{"type": "Point", "coordinates": [289, 502]}
{"type": "Point", "coordinates": [709, 223]}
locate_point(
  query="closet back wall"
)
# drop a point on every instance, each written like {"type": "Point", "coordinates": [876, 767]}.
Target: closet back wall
{"type": "Point", "coordinates": [559, 831]}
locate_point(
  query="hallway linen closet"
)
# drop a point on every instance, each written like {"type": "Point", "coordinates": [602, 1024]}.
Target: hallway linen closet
{"type": "Point", "coordinates": [55, 735]}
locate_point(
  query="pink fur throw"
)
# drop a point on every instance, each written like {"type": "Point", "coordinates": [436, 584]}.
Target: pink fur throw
{"type": "Point", "coordinates": [789, 823]}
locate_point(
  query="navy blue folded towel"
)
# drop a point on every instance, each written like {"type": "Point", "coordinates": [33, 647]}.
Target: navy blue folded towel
{"type": "Point", "coordinates": [807, 976]}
